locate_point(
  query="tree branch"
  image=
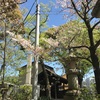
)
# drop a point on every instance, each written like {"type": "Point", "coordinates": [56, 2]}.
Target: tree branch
{"type": "Point", "coordinates": [85, 59]}
{"type": "Point", "coordinates": [97, 44]}
{"type": "Point", "coordinates": [76, 9]}
{"type": "Point", "coordinates": [79, 47]}
{"type": "Point", "coordinates": [95, 25]}
{"type": "Point", "coordinates": [91, 18]}
{"type": "Point", "coordinates": [72, 39]}
{"type": "Point", "coordinates": [40, 25]}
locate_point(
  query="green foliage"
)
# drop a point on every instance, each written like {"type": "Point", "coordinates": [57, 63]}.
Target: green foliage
{"type": "Point", "coordinates": [9, 9]}
{"type": "Point", "coordinates": [10, 19]}
{"type": "Point", "coordinates": [72, 38]}
{"type": "Point", "coordinates": [87, 94]}
{"type": "Point", "coordinates": [44, 98]}
{"type": "Point", "coordinates": [69, 36]}
{"type": "Point", "coordinates": [12, 79]}
{"type": "Point", "coordinates": [23, 93]}
{"type": "Point", "coordinates": [84, 66]}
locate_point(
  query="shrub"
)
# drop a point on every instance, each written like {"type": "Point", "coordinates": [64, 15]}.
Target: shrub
{"type": "Point", "coordinates": [87, 94]}
{"type": "Point", "coordinates": [44, 98]}
{"type": "Point", "coordinates": [23, 93]}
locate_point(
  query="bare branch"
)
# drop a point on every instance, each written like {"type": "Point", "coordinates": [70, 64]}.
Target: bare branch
{"type": "Point", "coordinates": [91, 18]}
{"type": "Point", "coordinates": [88, 2]}
{"type": "Point", "coordinates": [85, 59]}
{"type": "Point", "coordinates": [32, 30]}
{"type": "Point", "coordinates": [76, 9]}
{"type": "Point", "coordinates": [95, 25]}
{"type": "Point", "coordinates": [89, 9]}
{"type": "Point", "coordinates": [72, 39]}
{"type": "Point", "coordinates": [97, 44]}
{"type": "Point", "coordinates": [79, 47]}
{"type": "Point", "coordinates": [40, 25]}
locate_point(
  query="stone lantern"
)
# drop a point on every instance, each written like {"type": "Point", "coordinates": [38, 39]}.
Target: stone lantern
{"type": "Point", "coordinates": [72, 74]}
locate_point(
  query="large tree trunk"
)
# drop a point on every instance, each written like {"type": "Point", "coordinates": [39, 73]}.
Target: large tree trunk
{"type": "Point", "coordinates": [95, 63]}
{"type": "Point", "coordinates": [94, 57]}
{"type": "Point", "coordinates": [97, 79]}
{"type": "Point", "coordinates": [96, 73]}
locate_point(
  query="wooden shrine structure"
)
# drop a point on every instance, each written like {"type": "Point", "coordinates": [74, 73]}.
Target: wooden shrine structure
{"type": "Point", "coordinates": [58, 84]}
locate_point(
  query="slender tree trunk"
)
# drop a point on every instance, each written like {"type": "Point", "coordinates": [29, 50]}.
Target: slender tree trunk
{"type": "Point", "coordinates": [47, 84]}
{"type": "Point", "coordinates": [4, 64]}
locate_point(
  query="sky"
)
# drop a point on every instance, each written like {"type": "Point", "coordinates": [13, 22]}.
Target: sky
{"type": "Point", "coordinates": [55, 18]}
{"type": "Point", "coordinates": [89, 74]}
{"type": "Point", "coordinates": [58, 67]}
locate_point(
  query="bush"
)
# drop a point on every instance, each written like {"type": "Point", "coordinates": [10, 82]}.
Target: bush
{"type": "Point", "coordinates": [87, 94]}
{"type": "Point", "coordinates": [44, 98]}
{"type": "Point", "coordinates": [23, 93]}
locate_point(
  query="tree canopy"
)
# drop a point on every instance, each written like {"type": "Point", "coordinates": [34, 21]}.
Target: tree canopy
{"type": "Point", "coordinates": [82, 9]}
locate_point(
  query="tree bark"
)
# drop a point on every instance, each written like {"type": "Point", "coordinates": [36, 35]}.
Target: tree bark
{"type": "Point", "coordinates": [97, 80]}
{"type": "Point", "coordinates": [95, 63]}
{"type": "Point", "coordinates": [93, 56]}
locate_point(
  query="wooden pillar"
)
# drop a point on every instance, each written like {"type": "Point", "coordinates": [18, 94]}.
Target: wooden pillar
{"type": "Point", "coordinates": [55, 89]}
{"type": "Point", "coordinates": [73, 92]}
